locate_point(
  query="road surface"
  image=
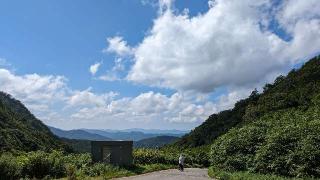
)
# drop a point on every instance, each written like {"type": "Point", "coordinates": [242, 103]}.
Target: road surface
{"type": "Point", "coordinates": [172, 174]}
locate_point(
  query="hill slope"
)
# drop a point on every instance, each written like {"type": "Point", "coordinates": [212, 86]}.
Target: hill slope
{"type": "Point", "coordinates": [155, 142]}
{"type": "Point", "coordinates": [275, 132]}
{"type": "Point", "coordinates": [295, 90]}
{"type": "Point", "coordinates": [21, 130]}
{"type": "Point", "coordinates": [77, 134]}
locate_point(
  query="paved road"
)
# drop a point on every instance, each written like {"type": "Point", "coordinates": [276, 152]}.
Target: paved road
{"type": "Point", "coordinates": [173, 174]}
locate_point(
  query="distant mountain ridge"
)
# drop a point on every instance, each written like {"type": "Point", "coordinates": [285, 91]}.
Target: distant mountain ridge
{"type": "Point", "coordinates": [132, 135]}
{"type": "Point", "coordinates": [147, 131]}
{"type": "Point", "coordinates": [77, 134]}
{"type": "Point", "coordinates": [128, 134]}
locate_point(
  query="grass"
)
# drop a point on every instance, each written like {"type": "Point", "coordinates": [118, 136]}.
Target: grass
{"type": "Point", "coordinates": [103, 171]}
{"type": "Point", "coordinates": [225, 175]}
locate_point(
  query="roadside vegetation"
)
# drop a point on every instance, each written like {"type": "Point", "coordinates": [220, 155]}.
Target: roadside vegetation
{"type": "Point", "coordinates": [246, 175]}
{"type": "Point", "coordinates": [43, 165]}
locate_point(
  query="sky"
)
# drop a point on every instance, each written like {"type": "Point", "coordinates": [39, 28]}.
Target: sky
{"type": "Point", "coordinates": [153, 64]}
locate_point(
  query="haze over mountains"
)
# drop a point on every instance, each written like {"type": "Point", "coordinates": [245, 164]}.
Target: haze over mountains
{"type": "Point", "coordinates": [79, 139]}
{"type": "Point", "coordinates": [128, 134]}
{"type": "Point", "coordinates": [77, 134]}
{"type": "Point", "coordinates": [151, 138]}
{"type": "Point", "coordinates": [135, 134]}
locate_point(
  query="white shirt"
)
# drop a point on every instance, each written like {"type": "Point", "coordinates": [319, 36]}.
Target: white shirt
{"type": "Point", "coordinates": [181, 160]}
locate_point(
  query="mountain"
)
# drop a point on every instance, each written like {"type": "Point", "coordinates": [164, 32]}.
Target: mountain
{"type": "Point", "coordinates": [295, 90]}
{"type": "Point", "coordinates": [155, 142]}
{"type": "Point", "coordinates": [276, 131]}
{"type": "Point", "coordinates": [20, 130]}
{"type": "Point", "coordinates": [77, 134]}
{"type": "Point", "coordinates": [128, 135]}
{"type": "Point", "coordinates": [153, 131]}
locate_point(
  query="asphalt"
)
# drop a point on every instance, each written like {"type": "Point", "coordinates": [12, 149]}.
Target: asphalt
{"type": "Point", "coordinates": [172, 174]}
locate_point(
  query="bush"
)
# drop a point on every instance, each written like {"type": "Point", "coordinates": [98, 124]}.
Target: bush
{"type": "Point", "coordinates": [152, 156]}
{"type": "Point", "coordinates": [244, 175]}
{"type": "Point", "coordinates": [285, 143]}
{"type": "Point", "coordinates": [43, 165]}
{"type": "Point", "coordinates": [78, 160]}
{"type": "Point", "coordinates": [57, 163]}
{"type": "Point", "coordinates": [9, 167]}
{"type": "Point", "coordinates": [71, 172]}
{"type": "Point", "coordinates": [36, 165]}
{"type": "Point", "coordinates": [194, 157]}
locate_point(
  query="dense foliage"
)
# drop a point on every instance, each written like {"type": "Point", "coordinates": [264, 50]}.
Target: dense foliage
{"type": "Point", "coordinates": [78, 146]}
{"type": "Point", "coordinates": [276, 131]}
{"type": "Point", "coordinates": [280, 130]}
{"type": "Point", "coordinates": [43, 165]}
{"type": "Point", "coordinates": [285, 142]}
{"type": "Point", "coordinates": [20, 130]}
{"type": "Point", "coordinates": [194, 157]}
{"type": "Point", "coordinates": [155, 142]}
{"type": "Point", "coordinates": [245, 175]}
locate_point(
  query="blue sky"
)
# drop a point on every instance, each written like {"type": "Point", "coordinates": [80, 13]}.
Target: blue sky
{"type": "Point", "coordinates": [66, 37]}
{"type": "Point", "coordinates": [184, 60]}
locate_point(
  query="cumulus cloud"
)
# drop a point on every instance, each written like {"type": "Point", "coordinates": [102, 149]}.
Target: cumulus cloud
{"type": "Point", "coordinates": [110, 76]}
{"type": "Point", "coordinates": [118, 46]}
{"type": "Point", "coordinates": [149, 106]}
{"type": "Point", "coordinates": [232, 44]}
{"type": "Point", "coordinates": [94, 68]}
{"type": "Point", "coordinates": [235, 44]}
{"type": "Point", "coordinates": [88, 98]}
{"type": "Point", "coordinates": [33, 87]}
{"type": "Point", "coordinates": [54, 102]}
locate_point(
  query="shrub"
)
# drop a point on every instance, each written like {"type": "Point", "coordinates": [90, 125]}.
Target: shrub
{"type": "Point", "coordinates": [79, 160]}
{"type": "Point", "coordinates": [57, 162]}
{"type": "Point", "coordinates": [195, 157]}
{"type": "Point", "coordinates": [9, 167]}
{"type": "Point", "coordinates": [36, 165]}
{"type": "Point", "coordinates": [71, 172]}
{"type": "Point", "coordinates": [285, 143]}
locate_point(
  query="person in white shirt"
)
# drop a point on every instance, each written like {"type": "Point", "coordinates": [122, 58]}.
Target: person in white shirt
{"type": "Point", "coordinates": [181, 162]}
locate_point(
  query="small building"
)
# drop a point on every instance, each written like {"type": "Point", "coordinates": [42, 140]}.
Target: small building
{"type": "Point", "coordinates": [113, 152]}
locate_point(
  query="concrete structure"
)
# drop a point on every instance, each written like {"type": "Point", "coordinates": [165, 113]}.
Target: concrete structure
{"type": "Point", "coordinates": [113, 152]}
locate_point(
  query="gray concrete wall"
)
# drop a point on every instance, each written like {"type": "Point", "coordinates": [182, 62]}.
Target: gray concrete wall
{"type": "Point", "coordinates": [121, 151]}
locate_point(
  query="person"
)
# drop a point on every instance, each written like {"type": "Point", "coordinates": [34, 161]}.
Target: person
{"type": "Point", "coordinates": [181, 162]}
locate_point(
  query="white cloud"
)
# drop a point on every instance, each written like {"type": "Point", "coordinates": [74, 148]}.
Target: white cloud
{"type": "Point", "coordinates": [293, 11]}
{"type": "Point", "coordinates": [94, 68]}
{"type": "Point", "coordinates": [148, 107]}
{"type": "Point", "coordinates": [110, 76]}
{"type": "Point", "coordinates": [226, 46]}
{"type": "Point", "coordinates": [53, 101]}
{"type": "Point", "coordinates": [33, 87]}
{"type": "Point", "coordinates": [88, 98]}
{"type": "Point", "coordinates": [118, 46]}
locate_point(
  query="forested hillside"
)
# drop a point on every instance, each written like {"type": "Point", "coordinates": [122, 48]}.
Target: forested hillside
{"type": "Point", "coordinates": [276, 131]}
{"type": "Point", "coordinates": [293, 91]}
{"type": "Point", "coordinates": [155, 142]}
{"type": "Point", "coordinates": [21, 130]}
